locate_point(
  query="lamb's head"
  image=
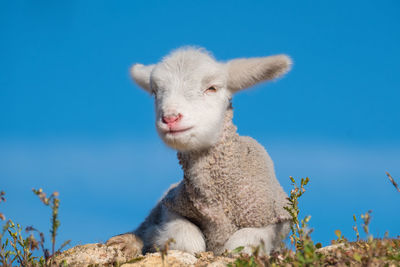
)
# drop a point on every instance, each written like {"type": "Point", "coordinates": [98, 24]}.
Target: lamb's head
{"type": "Point", "coordinates": [192, 91]}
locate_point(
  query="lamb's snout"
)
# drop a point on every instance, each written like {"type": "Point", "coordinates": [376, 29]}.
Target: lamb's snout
{"type": "Point", "coordinates": [171, 120]}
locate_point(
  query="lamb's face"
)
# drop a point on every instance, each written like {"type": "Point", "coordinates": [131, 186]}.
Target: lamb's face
{"type": "Point", "coordinates": [192, 92]}
{"type": "Point", "coordinates": [190, 99]}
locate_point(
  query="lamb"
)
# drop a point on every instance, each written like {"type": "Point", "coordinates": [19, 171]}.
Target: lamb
{"type": "Point", "coordinates": [229, 195]}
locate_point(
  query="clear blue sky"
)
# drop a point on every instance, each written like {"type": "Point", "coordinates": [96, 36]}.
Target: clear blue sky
{"type": "Point", "coordinates": [72, 121]}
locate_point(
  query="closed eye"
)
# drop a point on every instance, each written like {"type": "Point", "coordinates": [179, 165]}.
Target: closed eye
{"type": "Point", "coordinates": [211, 89]}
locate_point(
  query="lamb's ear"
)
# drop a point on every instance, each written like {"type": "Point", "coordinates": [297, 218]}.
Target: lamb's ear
{"type": "Point", "coordinates": [141, 74]}
{"type": "Point", "coordinates": [246, 72]}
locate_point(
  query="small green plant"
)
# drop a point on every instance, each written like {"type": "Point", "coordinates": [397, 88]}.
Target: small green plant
{"type": "Point", "coordinates": [2, 199]}
{"type": "Point", "coordinates": [393, 181]}
{"type": "Point", "coordinates": [306, 250]}
{"type": "Point", "coordinates": [16, 248]}
{"type": "Point", "coordinates": [21, 248]}
{"type": "Point", "coordinates": [367, 219]}
{"type": "Point", "coordinates": [355, 228]}
{"type": "Point", "coordinates": [300, 232]}
{"type": "Point", "coordinates": [340, 237]}
{"type": "Point", "coordinates": [54, 203]}
{"type": "Point", "coordinates": [245, 260]}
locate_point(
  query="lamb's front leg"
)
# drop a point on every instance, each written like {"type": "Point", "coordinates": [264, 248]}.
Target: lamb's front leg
{"type": "Point", "coordinates": [186, 235]}
{"type": "Point", "coordinates": [159, 227]}
{"type": "Point", "coordinates": [129, 243]}
{"type": "Point", "coordinates": [271, 236]}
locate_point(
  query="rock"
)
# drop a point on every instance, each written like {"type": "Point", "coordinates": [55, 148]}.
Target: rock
{"type": "Point", "coordinates": [103, 255]}
{"type": "Point", "coordinates": [173, 258]}
{"type": "Point", "coordinates": [330, 248]}
{"type": "Point", "coordinates": [210, 260]}
{"type": "Point", "coordinates": [91, 254]}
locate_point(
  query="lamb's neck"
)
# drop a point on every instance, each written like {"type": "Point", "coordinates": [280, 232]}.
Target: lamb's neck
{"type": "Point", "coordinates": [211, 167]}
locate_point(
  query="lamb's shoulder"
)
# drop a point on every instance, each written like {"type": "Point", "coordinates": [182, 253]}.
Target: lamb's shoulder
{"type": "Point", "coordinates": [261, 196]}
{"type": "Point", "coordinates": [176, 200]}
{"type": "Point", "coordinates": [254, 158]}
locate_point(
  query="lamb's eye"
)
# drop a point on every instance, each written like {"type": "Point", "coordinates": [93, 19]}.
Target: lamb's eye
{"type": "Point", "coordinates": [211, 89]}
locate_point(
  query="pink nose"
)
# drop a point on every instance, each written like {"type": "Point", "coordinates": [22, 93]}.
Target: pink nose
{"type": "Point", "coordinates": [171, 120]}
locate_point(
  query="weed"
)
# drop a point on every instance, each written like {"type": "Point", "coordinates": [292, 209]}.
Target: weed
{"type": "Point", "coordinates": [299, 231]}
{"type": "Point", "coordinates": [18, 249]}
{"type": "Point", "coordinates": [54, 203]}
{"type": "Point", "coordinates": [164, 250]}
{"type": "Point", "coordinates": [369, 252]}
{"type": "Point", "coordinates": [2, 199]}
{"type": "Point", "coordinates": [245, 260]}
{"type": "Point", "coordinates": [355, 228]}
{"type": "Point", "coordinates": [393, 181]}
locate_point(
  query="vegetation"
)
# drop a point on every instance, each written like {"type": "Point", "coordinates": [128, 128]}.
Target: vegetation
{"type": "Point", "coordinates": [15, 249]}
{"type": "Point", "coordinates": [370, 252]}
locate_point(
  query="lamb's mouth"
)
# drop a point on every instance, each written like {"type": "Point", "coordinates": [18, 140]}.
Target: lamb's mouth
{"type": "Point", "coordinates": [177, 131]}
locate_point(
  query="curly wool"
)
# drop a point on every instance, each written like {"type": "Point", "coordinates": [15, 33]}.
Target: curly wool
{"type": "Point", "coordinates": [230, 186]}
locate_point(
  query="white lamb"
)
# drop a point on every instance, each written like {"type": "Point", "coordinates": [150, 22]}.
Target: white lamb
{"type": "Point", "coordinates": [229, 196]}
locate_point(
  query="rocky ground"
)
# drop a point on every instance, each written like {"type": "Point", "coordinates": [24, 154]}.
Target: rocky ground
{"type": "Point", "coordinates": [381, 252]}
{"type": "Point", "coordinates": [102, 255]}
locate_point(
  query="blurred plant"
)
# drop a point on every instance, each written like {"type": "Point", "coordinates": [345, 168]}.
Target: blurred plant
{"type": "Point", "coordinates": [355, 228]}
{"type": "Point", "coordinates": [393, 181]}
{"type": "Point", "coordinates": [164, 249]}
{"type": "Point", "coordinates": [2, 199]}
{"type": "Point", "coordinates": [367, 219]}
{"type": "Point", "coordinates": [4, 255]}
{"type": "Point", "coordinates": [340, 238]}
{"type": "Point", "coordinates": [21, 248]}
{"type": "Point", "coordinates": [245, 260]}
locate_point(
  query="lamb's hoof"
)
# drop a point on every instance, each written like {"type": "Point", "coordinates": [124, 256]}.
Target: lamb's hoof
{"type": "Point", "coordinates": [129, 244]}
